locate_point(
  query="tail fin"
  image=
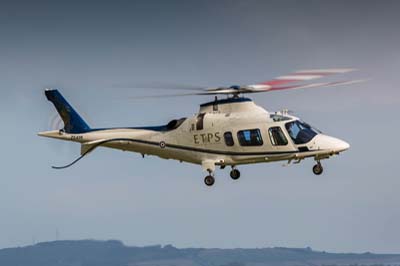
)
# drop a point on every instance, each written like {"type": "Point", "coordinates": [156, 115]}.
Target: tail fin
{"type": "Point", "coordinates": [73, 123]}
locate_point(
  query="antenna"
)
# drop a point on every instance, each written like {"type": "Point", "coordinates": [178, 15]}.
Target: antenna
{"type": "Point", "coordinates": [215, 105]}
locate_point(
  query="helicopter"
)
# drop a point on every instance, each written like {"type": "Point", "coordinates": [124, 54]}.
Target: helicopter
{"type": "Point", "coordinates": [225, 132]}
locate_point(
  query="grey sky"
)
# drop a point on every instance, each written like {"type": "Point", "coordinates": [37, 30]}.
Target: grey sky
{"type": "Point", "coordinates": [87, 48]}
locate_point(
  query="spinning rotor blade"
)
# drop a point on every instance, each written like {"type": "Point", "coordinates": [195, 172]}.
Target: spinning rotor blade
{"type": "Point", "coordinates": [305, 75]}
{"type": "Point", "coordinates": [159, 86]}
{"type": "Point", "coordinates": [159, 96]}
{"type": "Point", "coordinates": [187, 90]}
{"type": "Point", "coordinates": [312, 85]}
{"type": "Point", "coordinates": [296, 77]}
{"type": "Point", "coordinates": [279, 83]}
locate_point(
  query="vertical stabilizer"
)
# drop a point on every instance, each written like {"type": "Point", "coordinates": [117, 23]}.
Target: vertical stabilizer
{"type": "Point", "coordinates": [73, 123]}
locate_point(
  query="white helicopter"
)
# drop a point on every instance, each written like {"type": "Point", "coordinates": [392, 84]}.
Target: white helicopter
{"type": "Point", "coordinates": [225, 132]}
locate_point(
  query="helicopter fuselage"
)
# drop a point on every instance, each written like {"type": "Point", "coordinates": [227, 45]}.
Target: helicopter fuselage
{"type": "Point", "coordinates": [227, 132]}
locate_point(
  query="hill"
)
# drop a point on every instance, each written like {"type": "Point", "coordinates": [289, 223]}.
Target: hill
{"type": "Point", "coordinates": [115, 253]}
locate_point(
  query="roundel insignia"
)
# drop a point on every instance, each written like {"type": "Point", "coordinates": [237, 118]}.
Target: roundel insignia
{"type": "Point", "coordinates": [162, 144]}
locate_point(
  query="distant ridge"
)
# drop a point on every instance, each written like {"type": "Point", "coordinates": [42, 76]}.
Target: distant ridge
{"type": "Point", "coordinates": [115, 253]}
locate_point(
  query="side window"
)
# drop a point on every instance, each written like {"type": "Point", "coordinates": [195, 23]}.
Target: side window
{"type": "Point", "coordinates": [228, 138]}
{"type": "Point", "coordinates": [250, 137]}
{"type": "Point", "coordinates": [277, 137]}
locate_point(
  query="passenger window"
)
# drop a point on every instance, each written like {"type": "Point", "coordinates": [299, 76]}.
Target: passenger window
{"type": "Point", "coordinates": [228, 138]}
{"type": "Point", "coordinates": [277, 137]}
{"type": "Point", "coordinates": [250, 137]}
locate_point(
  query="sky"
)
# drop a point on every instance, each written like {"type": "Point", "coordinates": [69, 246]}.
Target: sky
{"type": "Point", "coordinates": [90, 50]}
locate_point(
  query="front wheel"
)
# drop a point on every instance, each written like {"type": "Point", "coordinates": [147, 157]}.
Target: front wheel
{"type": "Point", "coordinates": [318, 169]}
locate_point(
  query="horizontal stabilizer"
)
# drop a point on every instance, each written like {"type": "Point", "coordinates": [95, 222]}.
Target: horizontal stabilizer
{"type": "Point", "coordinates": [91, 145]}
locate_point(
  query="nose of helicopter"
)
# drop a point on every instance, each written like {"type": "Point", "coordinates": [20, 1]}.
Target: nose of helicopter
{"type": "Point", "coordinates": [325, 142]}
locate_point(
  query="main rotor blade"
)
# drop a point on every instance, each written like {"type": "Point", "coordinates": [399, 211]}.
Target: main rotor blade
{"type": "Point", "coordinates": [312, 85]}
{"type": "Point", "coordinates": [306, 75]}
{"type": "Point", "coordinates": [161, 96]}
{"type": "Point", "coordinates": [323, 84]}
{"type": "Point", "coordinates": [271, 85]}
{"type": "Point", "coordinates": [254, 89]}
{"type": "Point", "coordinates": [159, 86]}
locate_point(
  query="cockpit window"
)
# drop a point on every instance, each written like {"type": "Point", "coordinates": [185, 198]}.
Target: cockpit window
{"type": "Point", "coordinates": [300, 132]}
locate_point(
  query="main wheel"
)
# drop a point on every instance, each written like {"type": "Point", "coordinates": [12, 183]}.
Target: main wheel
{"type": "Point", "coordinates": [209, 180]}
{"type": "Point", "coordinates": [317, 169]}
{"type": "Point", "coordinates": [235, 174]}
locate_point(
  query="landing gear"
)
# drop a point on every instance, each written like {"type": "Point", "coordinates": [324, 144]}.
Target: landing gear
{"type": "Point", "coordinates": [235, 174]}
{"type": "Point", "coordinates": [317, 169]}
{"type": "Point", "coordinates": [209, 166]}
{"type": "Point", "coordinates": [209, 180]}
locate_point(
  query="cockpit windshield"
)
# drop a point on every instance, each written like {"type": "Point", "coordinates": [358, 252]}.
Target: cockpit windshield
{"type": "Point", "coordinates": [300, 132]}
